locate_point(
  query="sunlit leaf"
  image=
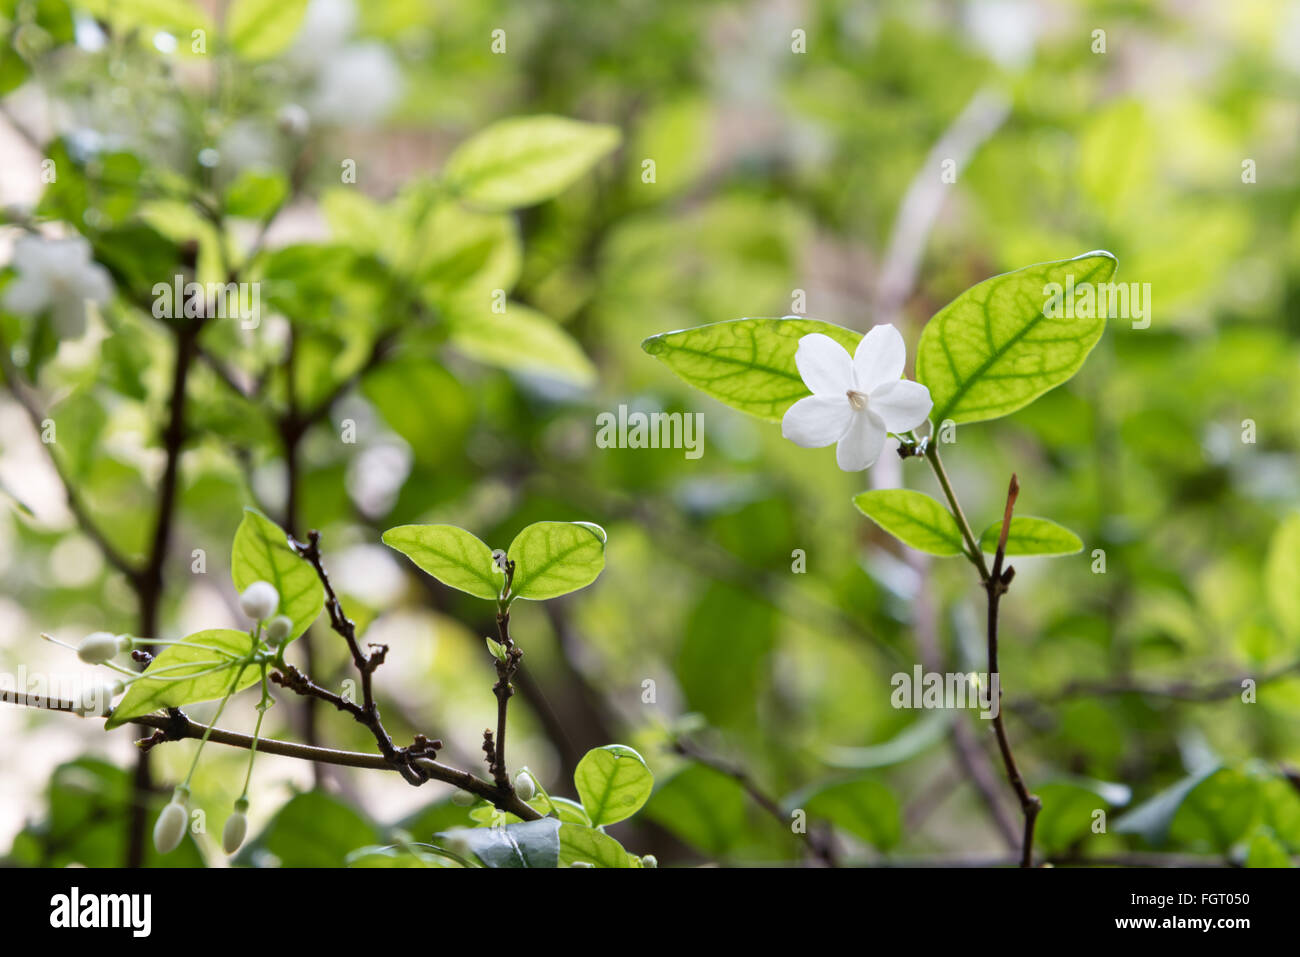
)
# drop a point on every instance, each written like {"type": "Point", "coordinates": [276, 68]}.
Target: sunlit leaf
{"type": "Point", "coordinates": [206, 666]}
{"type": "Point", "coordinates": [914, 518]}
{"type": "Point", "coordinates": [555, 558]}
{"type": "Point", "coordinates": [1032, 536]}
{"type": "Point", "coordinates": [261, 552]}
{"type": "Point", "coordinates": [613, 782]}
{"type": "Point", "coordinates": [746, 363]}
{"type": "Point", "coordinates": [450, 554]}
{"type": "Point", "coordinates": [995, 349]}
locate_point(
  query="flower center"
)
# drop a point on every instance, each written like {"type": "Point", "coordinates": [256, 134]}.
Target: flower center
{"type": "Point", "coordinates": [857, 399]}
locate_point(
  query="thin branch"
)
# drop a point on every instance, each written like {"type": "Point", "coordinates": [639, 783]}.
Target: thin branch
{"type": "Point", "coordinates": [819, 843]}
{"type": "Point", "coordinates": [1177, 690]}
{"type": "Point", "coordinates": [996, 584]}
{"type": "Point", "coordinates": [507, 664]}
{"type": "Point", "coordinates": [80, 513]}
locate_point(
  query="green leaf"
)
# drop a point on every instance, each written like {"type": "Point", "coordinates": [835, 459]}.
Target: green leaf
{"type": "Point", "coordinates": [862, 806]}
{"type": "Point", "coordinates": [992, 350]}
{"type": "Point", "coordinates": [1068, 807]}
{"type": "Point", "coordinates": [705, 808]}
{"type": "Point", "coordinates": [256, 194]}
{"type": "Point", "coordinates": [569, 811]}
{"type": "Point", "coordinates": [525, 160]}
{"type": "Point", "coordinates": [613, 782]}
{"type": "Point", "coordinates": [261, 552]}
{"type": "Point", "coordinates": [450, 554]}
{"type": "Point", "coordinates": [521, 844]}
{"type": "Point", "coordinates": [1032, 536]}
{"type": "Point", "coordinates": [1282, 575]}
{"type": "Point", "coordinates": [522, 340]}
{"type": "Point", "coordinates": [747, 364]}
{"type": "Point", "coordinates": [1217, 812]}
{"type": "Point", "coordinates": [555, 558]}
{"type": "Point", "coordinates": [578, 843]}
{"type": "Point", "coordinates": [1267, 851]}
{"type": "Point", "coordinates": [87, 822]}
{"type": "Point", "coordinates": [1153, 818]}
{"type": "Point", "coordinates": [314, 829]}
{"type": "Point", "coordinates": [917, 738]}
{"type": "Point", "coordinates": [220, 648]}
{"type": "Point", "coordinates": [913, 518]}
{"type": "Point", "coordinates": [260, 29]}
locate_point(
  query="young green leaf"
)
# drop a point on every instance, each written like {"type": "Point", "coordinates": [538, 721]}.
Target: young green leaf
{"type": "Point", "coordinates": [521, 340]}
{"type": "Point", "coordinates": [525, 160]}
{"type": "Point", "coordinates": [261, 552]}
{"type": "Point", "coordinates": [586, 844]}
{"type": "Point", "coordinates": [613, 783]}
{"type": "Point", "coordinates": [995, 348]}
{"type": "Point", "coordinates": [520, 844]}
{"type": "Point", "coordinates": [568, 811]}
{"type": "Point", "coordinates": [555, 558]}
{"type": "Point", "coordinates": [208, 658]}
{"type": "Point", "coordinates": [450, 554]}
{"type": "Point", "coordinates": [913, 518]}
{"type": "Point", "coordinates": [1282, 575]}
{"type": "Point", "coordinates": [747, 364]}
{"type": "Point", "coordinates": [260, 29]}
{"type": "Point", "coordinates": [1032, 536]}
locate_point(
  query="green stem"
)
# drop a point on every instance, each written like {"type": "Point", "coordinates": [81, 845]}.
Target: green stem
{"type": "Point", "coordinates": [215, 718]}
{"type": "Point", "coordinates": [262, 707]}
{"type": "Point", "coordinates": [973, 551]}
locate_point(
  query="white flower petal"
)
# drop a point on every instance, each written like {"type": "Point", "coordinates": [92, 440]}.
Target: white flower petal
{"type": "Point", "coordinates": [95, 283]}
{"type": "Point", "coordinates": [901, 404]}
{"type": "Point", "coordinates": [824, 365]}
{"type": "Point", "coordinates": [862, 443]}
{"type": "Point", "coordinates": [818, 420]}
{"type": "Point", "coordinates": [27, 295]}
{"type": "Point", "coordinates": [879, 358]}
{"type": "Point", "coordinates": [31, 255]}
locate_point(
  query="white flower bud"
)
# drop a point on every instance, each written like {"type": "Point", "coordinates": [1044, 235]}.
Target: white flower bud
{"type": "Point", "coordinates": [97, 699]}
{"type": "Point", "coordinates": [232, 835]}
{"type": "Point", "coordinates": [259, 600]}
{"type": "Point", "coordinates": [649, 860]}
{"type": "Point", "coordinates": [169, 830]}
{"type": "Point", "coordinates": [524, 786]}
{"type": "Point", "coordinates": [279, 628]}
{"type": "Point", "coordinates": [463, 798]}
{"type": "Point", "coordinates": [97, 648]}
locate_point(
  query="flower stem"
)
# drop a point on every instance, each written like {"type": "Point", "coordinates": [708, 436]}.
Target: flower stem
{"type": "Point", "coordinates": [972, 545]}
{"type": "Point", "coordinates": [215, 718]}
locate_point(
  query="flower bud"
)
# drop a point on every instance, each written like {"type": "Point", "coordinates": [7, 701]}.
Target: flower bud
{"type": "Point", "coordinates": [169, 830]}
{"type": "Point", "coordinates": [649, 860]}
{"type": "Point", "coordinates": [463, 798]}
{"type": "Point", "coordinates": [232, 835]}
{"type": "Point", "coordinates": [279, 628]}
{"type": "Point", "coordinates": [259, 600]}
{"type": "Point", "coordinates": [97, 648]}
{"type": "Point", "coordinates": [524, 786]}
{"type": "Point", "coordinates": [97, 699]}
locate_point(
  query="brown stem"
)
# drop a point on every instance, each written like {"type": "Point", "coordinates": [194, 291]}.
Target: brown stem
{"type": "Point", "coordinates": [995, 584]}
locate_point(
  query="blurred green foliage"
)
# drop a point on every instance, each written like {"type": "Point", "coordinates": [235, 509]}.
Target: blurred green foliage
{"type": "Point", "coordinates": [776, 172]}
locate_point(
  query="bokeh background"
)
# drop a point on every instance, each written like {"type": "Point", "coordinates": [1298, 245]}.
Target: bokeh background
{"type": "Point", "coordinates": [781, 178]}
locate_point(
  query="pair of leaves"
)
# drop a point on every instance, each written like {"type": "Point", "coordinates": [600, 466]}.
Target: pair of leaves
{"type": "Point", "coordinates": [551, 558]}
{"type": "Point", "coordinates": [923, 523]}
{"type": "Point", "coordinates": [989, 352]}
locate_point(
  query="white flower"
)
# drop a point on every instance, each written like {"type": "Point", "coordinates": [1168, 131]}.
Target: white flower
{"type": "Point", "coordinates": [259, 600]}
{"type": "Point", "coordinates": [58, 275]}
{"type": "Point", "coordinates": [854, 401]}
